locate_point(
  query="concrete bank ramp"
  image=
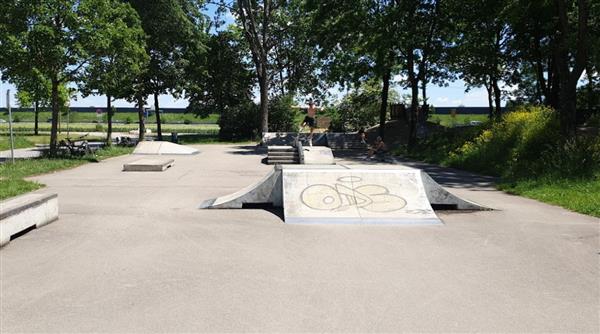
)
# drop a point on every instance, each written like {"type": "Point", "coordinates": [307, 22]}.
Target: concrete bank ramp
{"type": "Point", "coordinates": [317, 155]}
{"type": "Point", "coordinates": [348, 194]}
{"type": "Point", "coordinates": [163, 148]}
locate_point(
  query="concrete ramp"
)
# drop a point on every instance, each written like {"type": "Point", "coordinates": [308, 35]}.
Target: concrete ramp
{"type": "Point", "coordinates": [163, 148]}
{"type": "Point", "coordinates": [356, 196]}
{"type": "Point", "coordinates": [352, 194]}
{"type": "Point", "coordinates": [317, 155]}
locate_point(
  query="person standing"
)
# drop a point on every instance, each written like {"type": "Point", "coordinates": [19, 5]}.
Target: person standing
{"type": "Point", "coordinates": [309, 120]}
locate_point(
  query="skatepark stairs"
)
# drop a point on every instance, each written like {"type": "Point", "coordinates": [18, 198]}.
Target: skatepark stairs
{"type": "Point", "coordinates": [282, 155]}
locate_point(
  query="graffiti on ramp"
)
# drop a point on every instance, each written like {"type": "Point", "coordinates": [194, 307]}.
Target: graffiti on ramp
{"type": "Point", "coordinates": [346, 194]}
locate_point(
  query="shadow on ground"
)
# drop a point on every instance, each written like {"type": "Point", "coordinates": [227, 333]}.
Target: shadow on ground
{"type": "Point", "coordinates": [248, 150]}
{"type": "Point", "coordinates": [447, 177]}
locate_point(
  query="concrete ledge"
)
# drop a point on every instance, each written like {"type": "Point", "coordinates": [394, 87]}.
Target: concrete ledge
{"type": "Point", "coordinates": [24, 212]}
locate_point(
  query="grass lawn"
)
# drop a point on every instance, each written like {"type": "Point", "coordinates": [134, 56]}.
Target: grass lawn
{"type": "Point", "coordinates": [582, 196]}
{"type": "Point", "coordinates": [449, 121]}
{"type": "Point", "coordinates": [13, 183]}
{"type": "Point", "coordinates": [120, 117]}
{"type": "Point", "coordinates": [189, 139]}
{"type": "Point", "coordinates": [91, 127]}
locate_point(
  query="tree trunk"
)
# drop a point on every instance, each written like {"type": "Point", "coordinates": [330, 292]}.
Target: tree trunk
{"type": "Point", "coordinates": [157, 111]}
{"type": "Point", "coordinates": [568, 108]}
{"type": "Point", "coordinates": [37, 116]}
{"type": "Point", "coordinates": [55, 114]}
{"type": "Point", "coordinates": [497, 99]}
{"type": "Point", "coordinates": [590, 88]}
{"type": "Point", "coordinates": [542, 88]}
{"type": "Point", "coordinates": [414, 105]}
{"type": "Point", "coordinates": [109, 120]}
{"type": "Point", "coordinates": [425, 106]}
{"type": "Point", "coordinates": [142, 128]}
{"type": "Point", "coordinates": [490, 100]}
{"type": "Point", "coordinates": [554, 99]}
{"type": "Point", "coordinates": [424, 93]}
{"type": "Point", "coordinates": [569, 78]}
{"type": "Point", "coordinates": [384, 102]}
{"type": "Point", "coordinates": [264, 102]}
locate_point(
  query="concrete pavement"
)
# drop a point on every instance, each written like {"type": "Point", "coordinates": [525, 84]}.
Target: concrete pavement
{"type": "Point", "coordinates": [22, 153]}
{"type": "Point", "coordinates": [132, 253]}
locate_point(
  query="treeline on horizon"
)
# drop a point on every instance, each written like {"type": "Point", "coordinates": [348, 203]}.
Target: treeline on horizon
{"type": "Point", "coordinates": [531, 52]}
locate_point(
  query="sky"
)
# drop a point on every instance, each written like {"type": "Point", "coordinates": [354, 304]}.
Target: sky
{"type": "Point", "coordinates": [451, 96]}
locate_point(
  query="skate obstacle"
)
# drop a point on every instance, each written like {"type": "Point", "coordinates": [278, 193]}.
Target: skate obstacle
{"type": "Point", "coordinates": [347, 194]}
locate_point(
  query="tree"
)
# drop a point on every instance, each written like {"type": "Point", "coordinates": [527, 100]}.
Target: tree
{"type": "Point", "coordinates": [220, 78]}
{"type": "Point", "coordinates": [174, 29]}
{"type": "Point", "coordinates": [118, 59]}
{"type": "Point", "coordinates": [56, 37]}
{"type": "Point", "coordinates": [255, 18]}
{"type": "Point", "coordinates": [481, 54]}
{"type": "Point", "coordinates": [357, 41]}
{"type": "Point", "coordinates": [33, 90]}
{"type": "Point", "coordinates": [360, 108]}
{"type": "Point", "coordinates": [294, 63]}
{"type": "Point", "coordinates": [571, 54]}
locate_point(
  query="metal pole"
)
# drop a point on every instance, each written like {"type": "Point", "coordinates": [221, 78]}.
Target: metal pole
{"type": "Point", "coordinates": [10, 128]}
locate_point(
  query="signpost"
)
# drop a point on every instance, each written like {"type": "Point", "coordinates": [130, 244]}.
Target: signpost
{"type": "Point", "coordinates": [10, 128]}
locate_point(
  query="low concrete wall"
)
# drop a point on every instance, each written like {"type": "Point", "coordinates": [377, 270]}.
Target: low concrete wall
{"type": "Point", "coordinates": [26, 211]}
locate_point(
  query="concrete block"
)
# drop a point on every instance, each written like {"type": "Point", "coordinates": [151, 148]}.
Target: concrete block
{"type": "Point", "coordinates": [148, 165]}
{"type": "Point", "coordinates": [26, 211]}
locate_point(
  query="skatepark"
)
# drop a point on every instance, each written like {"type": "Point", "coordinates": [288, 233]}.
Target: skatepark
{"type": "Point", "coordinates": [133, 251]}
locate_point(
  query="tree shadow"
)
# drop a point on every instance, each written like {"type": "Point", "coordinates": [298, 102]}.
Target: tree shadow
{"type": "Point", "coordinates": [248, 150]}
{"type": "Point", "coordinates": [447, 177]}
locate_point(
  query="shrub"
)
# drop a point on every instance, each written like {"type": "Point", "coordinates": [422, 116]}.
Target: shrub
{"type": "Point", "coordinates": [16, 118]}
{"type": "Point", "coordinates": [240, 122]}
{"type": "Point", "coordinates": [594, 120]}
{"type": "Point", "coordinates": [187, 121]}
{"type": "Point", "coordinates": [128, 120]}
{"type": "Point", "coordinates": [527, 143]}
{"type": "Point", "coordinates": [99, 127]}
{"type": "Point", "coordinates": [577, 157]}
{"type": "Point", "coordinates": [337, 123]}
{"type": "Point", "coordinates": [282, 117]}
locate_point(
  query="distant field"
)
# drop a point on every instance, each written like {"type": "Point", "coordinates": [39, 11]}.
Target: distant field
{"type": "Point", "coordinates": [449, 121]}
{"type": "Point", "coordinates": [91, 127]}
{"type": "Point", "coordinates": [119, 117]}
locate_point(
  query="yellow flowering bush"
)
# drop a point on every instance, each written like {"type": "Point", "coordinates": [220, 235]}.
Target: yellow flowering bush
{"type": "Point", "coordinates": [512, 146]}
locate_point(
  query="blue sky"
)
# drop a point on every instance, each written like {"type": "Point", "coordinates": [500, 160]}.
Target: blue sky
{"type": "Point", "coordinates": [453, 95]}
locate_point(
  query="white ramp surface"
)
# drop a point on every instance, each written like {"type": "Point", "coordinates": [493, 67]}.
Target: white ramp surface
{"type": "Point", "coordinates": [163, 148]}
{"type": "Point", "coordinates": [355, 196]}
{"type": "Point", "coordinates": [317, 155]}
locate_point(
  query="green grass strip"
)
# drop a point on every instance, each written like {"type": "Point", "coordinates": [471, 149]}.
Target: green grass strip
{"type": "Point", "coordinates": [12, 181]}
{"type": "Point", "coordinates": [14, 187]}
{"type": "Point", "coordinates": [581, 196]}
